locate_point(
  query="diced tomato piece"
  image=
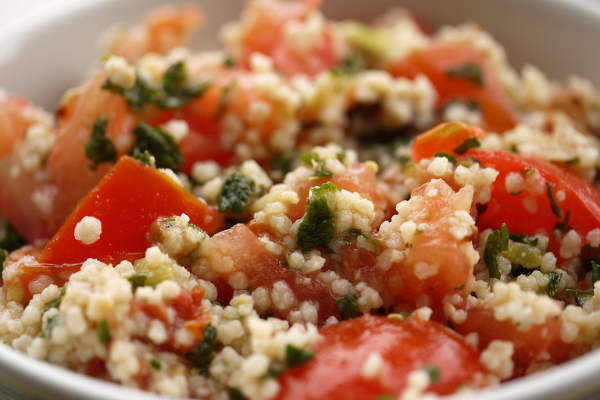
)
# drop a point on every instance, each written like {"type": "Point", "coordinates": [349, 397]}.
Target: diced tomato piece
{"type": "Point", "coordinates": [336, 371]}
{"type": "Point", "coordinates": [127, 201]}
{"type": "Point", "coordinates": [541, 342]}
{"type": "Point", "coordinates": [444, 138]}
{"type": "Point", "coordinates": [435, 61]}
{"type": "Point", "coordinates": [532, 213]}
{"type": "Point", "coordinates": [241, 250]}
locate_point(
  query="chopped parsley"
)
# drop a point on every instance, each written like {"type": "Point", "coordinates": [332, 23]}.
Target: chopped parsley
{"type": "Point", "coordinates": [155, 364]}
{"type": "Point", "coordinates": [284, 162]}
{"type": "Point", "coordinates": [51, 323]}
{"type": "Point", "coordinates": [347, 307]}
{"type": "Point", "coordinates": [524, 238]}
{"type": "Point", "coordinates": [434, 372]}
{"type": "Point", "coordinates": [137, 280]}
{"type": "Point", "coordinates": [276, 368]}
{"type": "Point", "coordinates": [581, 296]}
{"type": "Point", "coordinates": [236, 194]}
{"type": "Point", "coordinates": [235, 394]}
{"type": "Point", "coordinates": [144, 157]}
{"type": "Point", "coordinates": [595, 271]}
{"type": "Point", "coordinates": [468, 144]}
{"type": "Point", "coordinates": [449, 156]}
{"type": "Point", "coordinates": [352, 65]}
{"type": "Point", "coordinates": [228, 61]}
{"type": "Point", "coordinates": [56, 302]}
{"type": "Point", "coordinates": [10, 241]}
{"type": "Point", "coordinates": [554, 278]}
{"type": "Point", "coordinates": [588, 255]}
{"type": "Point", "coordinates": [174, 91]}
{"type": "Point", "coordinates": [386, 397]}
{"type": "Point", "coordinates": [103, 332]}
{"type": "Point", "coordinates": [564, 224]}
{"type": "Point", "coordinates": [468, 71]}
{"type": "Point", "coordinates": [295, 356]}
{"type": "Point", "coordinates": [159, 144]}
{"type": "Point", "coordinates": [100, 149]}
{"type": "Point", "coordinates": [553, 204]}
{"type": "Point", "coordinates": [202, 357]}
{"type": "Point", "coordinates": [496, 243]}
{"type": "Point", "coordinates": [312, 160]}
{"type": "Point", "coordinates": [318, 225]}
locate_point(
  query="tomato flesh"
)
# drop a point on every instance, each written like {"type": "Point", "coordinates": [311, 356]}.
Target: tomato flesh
{"type": "Point", "coordinates": [127, 201]}
{"type": "Point", "coordinates": [404, 345]}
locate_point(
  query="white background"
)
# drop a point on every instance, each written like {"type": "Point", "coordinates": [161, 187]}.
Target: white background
{"type": "Point", "coordinates": [12, 11]}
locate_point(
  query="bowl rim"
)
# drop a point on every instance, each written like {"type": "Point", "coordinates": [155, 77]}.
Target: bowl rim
{"type": "Point", "coordinates": [49, 376]}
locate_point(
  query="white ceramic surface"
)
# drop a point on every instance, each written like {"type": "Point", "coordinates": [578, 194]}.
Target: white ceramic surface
{"type": "Point", "coordinates": [51, 49]}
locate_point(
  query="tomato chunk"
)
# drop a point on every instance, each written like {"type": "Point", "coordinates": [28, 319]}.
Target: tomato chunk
{"type": "Point", "coordinates": [336, 371]}
{"type": "Point", "coordinates": [444, 138]}
{"type": "Point", "coordinates": [437, 60]}
{"type": "Point", "coordinates": [531, 211]}
{"type": "Point", "coordinates": [127, 201]}
{"type": "Point", "coordinates": [238, 250]}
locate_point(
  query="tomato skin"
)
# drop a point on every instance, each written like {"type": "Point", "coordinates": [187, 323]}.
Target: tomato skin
{"type": "Point", "coordinates": [582, 200]}
{"type": "Point", "coordinates": [127, 201]}
{"type": "Point", "coordinates": [405, 346]}
{"type": "Point", "coordinates": [443, 138]}
{"type": "Point", "coordinates": [434, 62]}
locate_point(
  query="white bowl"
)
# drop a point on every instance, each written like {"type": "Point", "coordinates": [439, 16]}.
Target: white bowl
{"type": "Point", "coordinates": [45, 54]}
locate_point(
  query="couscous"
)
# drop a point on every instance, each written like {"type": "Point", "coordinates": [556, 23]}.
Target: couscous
{"type": "Point", "coordinates": [320, 209]}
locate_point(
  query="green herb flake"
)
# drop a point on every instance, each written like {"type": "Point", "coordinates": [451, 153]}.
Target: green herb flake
{"type": "Point", "coordinates": [318, 225]}
{"type": "Point", "coordinates": [573, 161]}
{"type": "Point", "coordinates": [144, 157]}
{"type": "Point", "coordinates": [595, 271]}
{"type": "Point", "coordinates": [468, 144]}
{"type": "Point", "coordinates": [56, 302]}
{"type": "Point", "coordinates": [468, 71]}
{"type": "Point", "coordinates": [11, 240]}
{"type": "Point", "coordinates": [155, 364]}
{"type": "Point", "coordinates": [352, 65]}
{"type": "Point", "coordinates": [100, 149]}
{"type": "Point", "coordinates": [564, 224]}
{"type": "Point", "coordinates": [312, 160]}
{"type": "Point", "coordinates": [51, 323]}
{"type": "Point", "coordinates": [174, 91]}
{"type": "Point", "coordinates": [178, 92]}
{"type": "Point", "coordinates": [295, 356]}
{"type": "Point", "coordinates": [159, 144]}
{"type": "Point", "coordinates": [276, 368]}
{"type": "Point", "coordinates": [137, 280]}
{"type": "Point", "coordinates": [434, 372]}
{"type": "Point", "coordinates": [202, 357]}
{"type": "Point", "coordinates": [554, 282]}
{"type": "Point", "coordinates": [386, 397]}
{"type": "Point", "coordinates": [228, 61]}
{"type": "Point", "coordinates": [449, 156]}
{"type": "Point", "coordinates": [581, 296]}
{"type": "Point", "coordinates": [553, 204]}
{"type": "Point", "coordinates": [496, 242]}
{"type": "Point", "coordinates": [3, 257]}
{"type": "Point", "coordinates": [347, 307]}
{"type": "Point", "coordinates": [524, 238]}
{"type": "Point", "coordinates": [235, 394]}
{"type": "Point", "coordinates": [103, 332]}
{"type": "Point", "coordinates": [236, 194]}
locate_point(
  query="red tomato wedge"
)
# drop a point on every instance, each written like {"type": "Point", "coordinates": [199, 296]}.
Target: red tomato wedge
{"type": "Point", "coordinates": [532, 210]}
{"type": "Point", "coordinates": [438, 60]}
{"type": "Point", "coordinates": [336, 371]}
{"type": "Point", "coordinates": [581, 200]}
{"type": "Point", "coordinates": [247, 255]}
{"type": "Point", "coordinates": [127, 201]}
{"type": "Point", "coordinates": [444, 138]}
